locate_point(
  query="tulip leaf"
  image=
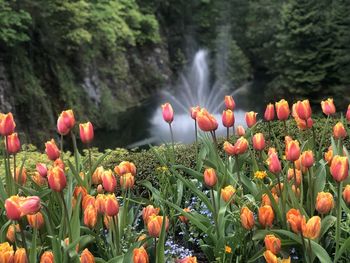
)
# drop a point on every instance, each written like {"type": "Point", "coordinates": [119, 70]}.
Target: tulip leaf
{"type": "Point", "coordinates": [256, 256]}
{"type": "Point", "coordinates": [33, 248]}
{"type": "Point", "coordinates": [75, 174]}
{"type": "Point", "coordinates": [97, 163]}
{"type": "Point", "coordinates": [343, 248]}
{"type": "Point", "coordinates": [75, 220]}
{"type": "Point", "coordinates": [327, 223]}
{"type": "Point", "coordinates": [161, 242]}
{"type": "Point", "coordinates": [3, 230]}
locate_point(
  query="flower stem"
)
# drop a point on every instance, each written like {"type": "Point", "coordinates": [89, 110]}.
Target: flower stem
{"type": "Point", "coordinates": [65, 209]}
{"type": "Point", "coordinates": [337, 234]}
{"type": "Point", "coordinates": [215, 213]}
{"type": "Point", "coordinates": [172, 140]}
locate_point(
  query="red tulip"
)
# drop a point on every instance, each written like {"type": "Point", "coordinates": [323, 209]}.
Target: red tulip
{"type": "Point", "coordinates": [30, 205]}
{"type": "Point", "coordinates": [258, 141]}
{"type": "Point", "coordinates": [13, 145]}
{"type": "Point", "coordinates": [324, 202]}
{"type": "Point", "coordinates": [111, 205]}
{"type": "Point", "coordinates": [127, 181]}
{"type": "Point", "coordinates": [228, 118]}
{"type": "Point", "coordinates": [302, 124]}
{"type": "Point", "coordinates": [65, 122]}
{"type": "Point", "coordinates": [52, 150]}
{"type": "Point", "coordinates": [282, 109]}
{"type": "Point", "coordinates": [239, 147]}
{"type": "Point", "coordinates": [206, 121]}
{"type": "Point", "coordinates": [303, 109]}
{"type": "Point", "coordinates": [292, 151]}
{"type": "Point", "coordinates": [307, 159]}
{"type": "Point", "coordinates": [346, 194]}
{"type": "Point", "coordinates": [57, 179]}
{"type": "Point", "coordinates": [86, 132]}
{"type": "Point", "coordinates": [274, 163]}
{"type": "Point", "coordinates": [194, 111]}
{"type": "Point", "coordinates": [13, 208]}
{"type": "Point", "coordinates": [210, 177]}
{"type": "Point", "coordinates": [295, 220]}
{"type": "Point", "coordinates": [168, 112]}
{"type": "Point", "coordinates": [328, 107]}
{"type": "Point", "coordinates": [109, 181]}
{"type": "Point", "coordinates": [125, 167]}
{"type": "Point", "coordinates": [36, 220]}
{"type": "Point", "coordinates": [42, 169]}
{"type": "Point", "coordinates": [154, 225]}
{"type": "Point", "coordinates": [250, 118]}
{"type": "Point", "coordinates": [7, 124]}
{"type": "Point", "coordinates": [339, 168]}
{"type": "Point", "coordinates": [339, 131]}
{"type": "Point", "coordinates": [230, 103]}
{"type": "Point", "coordinates": [149, 211]}
{"type": "Point", "coordinates": [240, 130]}
{"type": "Point", "coordinates": [269, 112]}
{"type": "Point", "coordinates": [347, 116]}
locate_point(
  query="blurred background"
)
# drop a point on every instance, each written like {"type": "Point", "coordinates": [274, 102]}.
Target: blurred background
{"type": "Point", "coordinates": [114, 62]}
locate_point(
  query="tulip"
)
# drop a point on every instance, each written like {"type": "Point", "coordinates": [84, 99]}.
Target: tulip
{"type": "Point", "coordinates": [21, 176]}
{"type": "Point", "coordinates": [13, 145]}
{"type": "Point", "coordinates": [11, 233]}
{"type": "Point", "coordinates": [188, 259]}
{"type": "Point", "coordinates": [274, 163]}
{"type": "Point", "coordinates": [287, 139]}
{"type": "Point", "coordinates": [206, 121]}
{"type": "Point", "coordinates": [303, 109]}
{"type": "Point", "coordinates": [59, 163]}
{"type": "Point", "coordinates": [86, 257]}
{"type": "Point", "coordinates": [38, 179]}
{"type": "Point", "coordinates": [277, 189]}
{"type": "Point", "coordinates": [65, 122]}
{"type": "Point", "coordinates": [6, 253]}
{"type": "Point", "coordinates": [302, 124]}
{"type": "Point", "coordinates": [328, 156]}
{"type": "Point", "coordinates": [270, 257]}
{"type": "Point", "coordinates": [272, 243]}
{"type": "Point", "coordinates": [88, 200]}
{"type": "Point", "coordinates": [339, 131]}
{"type": "Point", "coordinates": [210, 177]}
{"type": "Point", "coordinates": [240, 130]}
{"type": "Point", "coordinates": [154, 225]}
{"type": "Point", "coordinates": [100, 203]}
{"type": "Point", "coordinates": [194, 111]}
{"type": "Point", "coordinates": [312, 228]}
{"type": "Point", "coordinates": [97, 175]}
{"type": "Point", "coordinates": [47, 257]}
{"type": "Point", "coordinates": [109, 181]}
{"type": "Point", "coordinates": [258, 142]}
{"type": "Point", "coordinates": [266, 215]}
{"type": "Point", "coordinates": [295, 220]}
{"type": "Point", "coordinates": [13, 208]}
{"type": "Point", "coordinates": [86, 132]}
{"type": "Point", "coordinates": [347, 116]}
{"type": "Point", "coordinates": [182, 218]}
{"type": "Point", "coordinates": [7, 124]}
{"type": "Point", "coordinates": [227, 193]}
{"type": "Point", "coordinates": [239, 147]}
{"type": "Point", "coordinates": [42, 169]}
{"type": "Point", "coordinates": [140, 255]}
{"type": "Point", "coordinates": [292, 150]}
{"type": "Point", "coordinates": [228, 118]}
{"type": "Point", "coordinates": [20, 256]}
{"type": "Point", "coordinates": [328, 107]}
{"type": "Point", "coordinates": [149, 211]}
{"type": "Point", "coordinates": [79, 190]}
{"type": "Point", "coordinates": [346, 194]}
{"type": "Point", "coordinates": [307, 159]}
{"type": "Point", "coordinates": [230, 103]}
{"type": "Point", "coordinates": [57, 179]}
{"type": "Point", "coordinates": [111, 205]}
{"type": "Point", "coordinates": [247, 218]}
{"type": "Point", "coordinates": [271, 151]}
{"type": "Point", "coordinates": [269, 112]}
{"type": "Point", "coordinates": [265, 199]}
{"type": "Point", "coordinates": [29, 205]}
{"type": "Point", "coordinates": [324, 202]}
{"type": "Point", "coordinates": [296, 176]}
{"type": "Point", "coordinates": [339, 168]}
{"type": "Point", "coordinates": [250, 118]}
{"type": "Point", "coordinates": [52, 150]}
{"type": "Point", "coordinates": [36, 220]}
{"type": "Point", "coordinates": [168, 112]}
{"type": "Point", "coordinates": [282, 110]}
{"type": "Point", "coordinates": [127, 181]}
{"type": "Point", "coordinates": [125, 167]}
{"type": "Point", "coordinates": [90, 216]}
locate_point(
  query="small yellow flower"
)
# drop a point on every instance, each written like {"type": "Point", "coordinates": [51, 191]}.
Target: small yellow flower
{"type": "Point", "coordinates": [228, 249]}
{"type": "Point", "coordinates": [260, 174]}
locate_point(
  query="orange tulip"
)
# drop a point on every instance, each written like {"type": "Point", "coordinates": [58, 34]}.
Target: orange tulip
{"type": "Point", "coordinates": [140, 255]}
{"type": "Point", "coordinates": [347, 115]}
{"type": "Point", "coordinates": [328, 156]}
{"type": "Point", "coordinates": [36, 220]}
{"type": "Point", "coordinates": [149, 211]}
{"type": "Point", "coordinates": [100, 203]}
{"type": "Point", "coordinates": [79, 190]}
{"type": "Point", "coordinates": [111, 205]}
{"type": "Point", "coordinates": [13, 145]}
{"type": "Point", "coordinates": [187, 260]}
{"type": "Point", "coordinates": [109, 181]}
{"type": "Point", "coordinates": [304, 124]}
{"type": "Point", "coordinates": [272, 243]}
{"type": "Point", "coordinates": [339, 168]}
{"type": "Point", "coordinates": [87, 257]}
{"type": "Point", "coordinates": [47, 257]}
{"type": "Point", "coordinates": [328, 107]}
{"type": "Point", "coordinates": [303, 109]}
{"type": "Point", "coordinates": [307, 159]}
{"type": "Point", "coordinates": [168, 112]}
{"type": "Point", "coordinates": [250, 118]}
{"type": "Point", "coordinates": [295, 220]}
{"type": "Point", "coordinates": [194, 111]}
{"type": "Point", "coordinates": [90, 216]}
{"type": "Point", "coordinates": [20, 256]}
{"type": "Point", "coordinates": [265, 199]}
{"type": "Point", "coordinates": [258, 141]}
{"type": "Point", "coordinates": [11, 233]}
{"type": "Point", "coordinates": [206, 121]}
{"type": "Point", "coordinates": [239, 147]}
{"type": "Point", "coordinates": [346, 194]}
{"type": "Point", "coordinates": [7, 124]}
{"type": "Point", "coordinates": [182, 218]}
{"type": "Point", "coordinates": [324, 202]}
{"type": "Point", "coordinates": [41, 169]}
{"type": "Point", "coordinates": [247, 218]}
{"type": "Point", "coordinates": [228, 118]}
{"type": "Point", "coordinates": [52, 150]}
{"type": "Point", "coordinates": [266, 215]}
{"type": "Point", "coordinates": [230, 103]}
{"type": "Point", "coordinates": [88, 200]}
{"type": "Point", "coordinates": [100, 189]}
{"type": "Point", "coordinates": [240, 130]}
{"type": "Point", "coordinates": [227, 193]}
{"type": "Point", "coordinates": [13, 208]}
{"type": "Point", "coordinates": [127, 181]}
{"type": "Point", "coordinates": [271, 151]}
{"type": "Point", "coordinates": [274, 163]}
{"type": "Point", "coordinates": [86, 131]}
{"type": "Point", "coordinates": [270, 257]}
{"type": "Point", "coordinates": [339, 131]}
{"type": "Point", "coordinates": [210, 177]}
{"type": "Point", "coordinates": [292, 150]}
{"type": "Point", "coordinates": [125, 167]}
{"type": "Point", "coordinates": [59, 163]}
{"type": "Point", "coordinates": [297, 176]}
{"type": "Point", "coordinates": [65, 122]}
{"type": "Point", "coordinates": [21, 176]}
{"type": "Point", "coordinates": [282, 109]}
{"type": "Point", "coordinates": [97, 175]}
{"type": "Point", "coordinates": [57, 179]}
{"type": "Point", "coordinates": [269, 112]}
{"type": "Point", "coordinates": [6, 253]}
{"type": "Point", "coordinates": [312, 228]}
{"type": "Point", "coordinates": [154, 225]}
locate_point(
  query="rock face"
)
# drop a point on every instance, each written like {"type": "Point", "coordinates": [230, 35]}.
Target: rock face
{"type": "Point", "coordinates": [5, 88]}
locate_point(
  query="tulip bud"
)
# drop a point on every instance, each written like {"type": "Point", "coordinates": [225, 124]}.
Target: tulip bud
{"type": "Point", "coordinates": [127, 181]}
{"type": "Point", "coordinates": [140, 255]}
{"type": "Point", "coordinates": [258, 141]}
{"type": "Point", "coordinates": [97, 175]}
{"type": "Point", "coordinates": [292, 150]}
{"type": "Point", "coordinates": [182, 218]}
{"type": "Point", "coordinates": [272, 243]}
{"type": "Point", "coordinates": [42, 169]}
{"type": "Point", "coordinates": [266, 215]}
{"type": "Point", "coordinates": [307, 159]}
{"type": "Point", "coordinates": [7, 124]}
{"type": "Point", "coordinates": [328, 107]}
{"type": "Point", "coordinates": [210, 177]}
{"type": "Point", "coordinates": [86, 257]}
{"type": "Point", "coordinates": [274, 163]}
{"type": "Point", "coordinates": [295, 220]}
{"type": "Point", "coordinates": [328, 156]}
{"type": "Point", "coordinates": [65, 122]}
{"type": "Point", "coordinates": [52, 150]}
{"type": "Point", "coordinates": [347, 116]}
{"type": "Point", "coordinates": [188, 259]}
{"type": "Point", "coordinates": [312, 228]}
{"type": "Point", "coordinates": [239, 147]}
{"type": "Point", "coordinates": [88, 200]}
{"type": "Point", "coordinates": [36, 220]}
{"type": "Point", "coordinates": [109, 181]}
{"type": "Point", "coordinates": [282, 109]}
{"type": "Point", "coordinates": [247, 218]}
{"type": "Point", "coordinates": [154, 225]}
{"type": "Point", "coordinates": [346, 194]}
{"type": "Point", "coordinates": [79, 190]}
{"type": "Point", "coordinates": [240, 130]}
{"type": "Point", "coordinates": [194, 111]}
{"type": "Point", "coordinates": [90, 216]}
{"type": "Point", "coordinates": [168, 112]}
{"type": "Point", "coordinates": [11, 233]}
{"type": "Point", "coordinates": [297, 176]}
{"type": "Point", "coordinates": [265, 199]}
{"type": "Point", "coordinates": [125, 167]}
{"type": "Point", "coordinates": [86, 131]}
{"type": "Point", "coordinates": [20, 256]}
{"type": "Point", "coordinates": [324, 202]}
{"type": "Point", "coordinates": [303, 109]}
{"type": "Point", "coordinates": [47, 257]}
{"type": "Point", "coordinates": [38, 179]}
{"type": "Point", "coordinates": [339, 131]}
{"type": "Point", "coordinates": [29, 205]}
{"type": "Point", "coordinates": [206, 121]}
{"type": "Point", "coordinates": [59, 163]}
{"type": "Point", "coordinates": [149, 211]}
{"type": "Point", "coordinates": [230, 103]}
{"type": "Point", "coordinates": [228, 118]}
{"type": "Point", "coordinates": [21, 176]}
{"type": "Point", "coordinates": [271, 151]}
{"type": "Point", "coordinates": [13, 145]}
{"type": "Point", "coordinates": [57, 179]}
{"type": "Point", "coordinates": [250, 118]}
{"type": "Point", "coordinates": [339, 168]}
{"type": "Point", "coordinates": [302, 124]}
{"type": "Point", "coordinates": [269, 112]}
{"type": "Point", "coordinates": [111, 205]}
{"type": "Point", "coordinates": [227, 193]}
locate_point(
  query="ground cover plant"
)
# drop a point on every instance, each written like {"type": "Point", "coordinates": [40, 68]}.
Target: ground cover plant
{"type": "Point", "coordinates": [275, 191]}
